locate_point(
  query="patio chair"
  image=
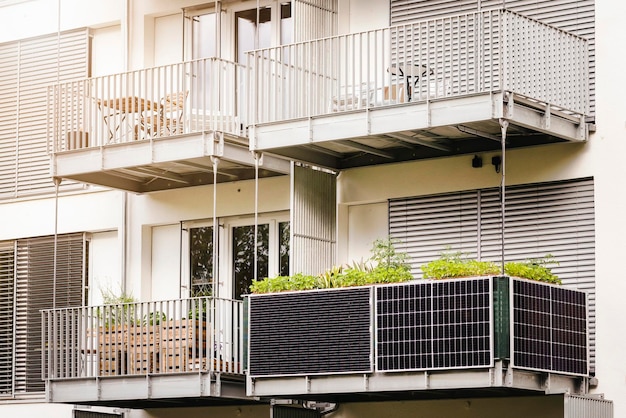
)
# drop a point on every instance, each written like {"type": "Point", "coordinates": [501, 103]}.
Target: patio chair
{"type": "Point", "coordinates": [169, 119]}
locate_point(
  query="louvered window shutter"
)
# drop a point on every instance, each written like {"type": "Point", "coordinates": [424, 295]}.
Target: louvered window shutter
{"type": "Point", "coordinates": [547, 218]}
{"type": "Point", "coordinates": [28, 68]}
{"type": "Point", "coordinates": [36, 289]}
{"type": "Point", "coordinates": [426, 226]}
{"type": "Point", "coordinates": [7, 300]}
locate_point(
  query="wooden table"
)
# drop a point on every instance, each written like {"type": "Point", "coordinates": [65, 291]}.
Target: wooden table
{"type": "Point", "coordinates": [120, 114]}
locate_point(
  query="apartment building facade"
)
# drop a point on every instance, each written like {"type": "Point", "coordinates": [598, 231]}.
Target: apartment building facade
{"type": "Point", "coordinates": [147, 148]}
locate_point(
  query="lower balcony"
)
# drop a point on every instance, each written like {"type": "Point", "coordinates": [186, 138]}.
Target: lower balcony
{"type": "Point", "coordinates": [158, 128]}
{"type": "Point", "coordinates": [145, 354]}
{"type": "Point", "coordinates": [485, 336]}
{"type": "Point", "coordinates": [453, 85]}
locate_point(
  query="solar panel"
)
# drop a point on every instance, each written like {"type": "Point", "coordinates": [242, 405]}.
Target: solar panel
{"type": "Point", "coordinates": [434, 325]}
{"type": "Point", "coordinates": [304, 333]}
{"type": "Point", "coordinates": [549, 328]}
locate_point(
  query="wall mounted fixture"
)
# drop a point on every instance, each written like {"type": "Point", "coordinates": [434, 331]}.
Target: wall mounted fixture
{"type": "Point", "coordinates": [477, 161]}
{"type": "Point", "coordinates": [497, 162]}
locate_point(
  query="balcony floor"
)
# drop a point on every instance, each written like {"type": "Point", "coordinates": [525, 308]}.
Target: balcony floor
{"type": "Point", "coordinates": [418, 130]}
{"type": "Point", "coordinates": [150, 391]}
{"type": "Point", "coordinates": [495, 381]}
{"type": "Point", "coordinates": [165, 163]}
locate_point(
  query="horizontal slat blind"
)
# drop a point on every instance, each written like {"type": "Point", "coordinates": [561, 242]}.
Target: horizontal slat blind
{"type": "Point", "coordinates": [27, 68]}
{"type": "Point", "coordinates": [411, 11]}
{"type": "Point", "coordinates": [426, 226]}
{"type": "Point", "coordinates": [546, 218]}
{"type": "Point", "coordinates": [7, 289]}
{"type": "Point", "coordinates": [36, 289]}
{"type": "Point", "coordinates": [9, 66]}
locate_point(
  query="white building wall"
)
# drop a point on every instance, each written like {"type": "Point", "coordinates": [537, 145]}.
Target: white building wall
{"type": "Point", "coordinates": [152, 220]}
{"type": "Point", "coordinates": [608, 147]}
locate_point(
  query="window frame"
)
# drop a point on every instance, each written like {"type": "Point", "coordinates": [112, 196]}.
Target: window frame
{"type": "Point", "coordinates": [225, 278]}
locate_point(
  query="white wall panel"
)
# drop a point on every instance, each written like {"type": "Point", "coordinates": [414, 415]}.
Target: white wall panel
{"type": "Point", "coordinates": [166, 253]}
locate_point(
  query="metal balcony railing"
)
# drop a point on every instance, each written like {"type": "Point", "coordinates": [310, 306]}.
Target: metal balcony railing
{"type": "Point", "coordinates": [164, 337]}
{"type": "Point", "coordinates": [472, 53]}
{"type": "Point", "coordinates": [188, 97]}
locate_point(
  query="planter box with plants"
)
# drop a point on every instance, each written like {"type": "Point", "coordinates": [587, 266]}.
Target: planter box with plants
{"type": "Point", "coordinates": [378, 321]}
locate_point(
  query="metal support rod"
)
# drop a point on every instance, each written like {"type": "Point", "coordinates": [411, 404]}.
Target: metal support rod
{"type": "Point", "coordinates": [504, 124]}
{"type": "Point", "coordinates": [256, 214]}
{"type": "Point", "coordinates": [57, 182]}
{"type": "Point", "coordinates": [214, 281]}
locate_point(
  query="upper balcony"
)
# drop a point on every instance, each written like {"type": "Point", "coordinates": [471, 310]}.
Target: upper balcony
{"type": "Point", "coordinates": [145, 354]}
{"type": "Point", "coordinates": [434, 88]}
{"type": "Point", "coordinates": [159, 128]}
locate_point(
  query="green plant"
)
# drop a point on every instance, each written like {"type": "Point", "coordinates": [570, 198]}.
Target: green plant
{"type": "Point", "coordinates": [453, 265]}
{"type": "Point", "coordinates": [153, 318]}
{"type": "Point", "coordinates": [386, 265]}
{"type": "Point", "coordinates": [534, 269]}
{"type": "Point", "coordinates": [118, 308]}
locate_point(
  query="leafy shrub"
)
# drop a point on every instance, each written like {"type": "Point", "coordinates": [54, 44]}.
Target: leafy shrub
{"type": "Point", "coordinates": [453, 265]}
{"type": "Point", "coordinates": [386, 265]}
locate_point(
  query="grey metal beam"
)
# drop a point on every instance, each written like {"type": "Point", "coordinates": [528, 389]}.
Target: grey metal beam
{"type": "Point", "coordinates": [366, 148]}
{"type": "Point", "coordinates": [417, 141]}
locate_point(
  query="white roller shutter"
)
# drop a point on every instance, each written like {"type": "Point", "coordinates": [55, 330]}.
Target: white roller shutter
{"type": "Point", "coordinates": [36, 289]}
{"type": "Point", "coordinates": [28, 67]}
{"type": "Point", "coordinates": [547, 218]}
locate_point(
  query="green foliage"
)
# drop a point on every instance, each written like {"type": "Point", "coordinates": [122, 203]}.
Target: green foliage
{"type": "Point", "coordinates": [118, 309]}
{"type": "Point", "coordinates": [153, 318]}
{"type": "Point", "coordinates": [386, 265]}
{"type": "Point", "coordinates": [453, 265]}
{"type": "Point", "coordinates": [534, 269]}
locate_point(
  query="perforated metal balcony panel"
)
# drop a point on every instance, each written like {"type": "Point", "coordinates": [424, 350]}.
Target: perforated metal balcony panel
{"type": "Point", "coordinates": [308, 333]}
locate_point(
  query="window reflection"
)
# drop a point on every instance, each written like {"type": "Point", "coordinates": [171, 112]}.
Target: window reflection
{"type": "Point", "coordinates": [201, 261]}
{"type": "Point", "coordinates": [243, 256]}
{"type": "Point", "coordinates": [246, 27]}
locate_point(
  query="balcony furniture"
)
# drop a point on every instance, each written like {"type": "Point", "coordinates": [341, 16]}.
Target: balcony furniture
{"type": "Point", "coordinates": [76, 139]}
{"type": "Point", "coordinates": [168, 119]}
{"type": "Point", "coordinates": [394, 93]}
{"type": "Point", "coordinates": [410, 73]}
{"type": "Point", "coordinates": [120, 114]}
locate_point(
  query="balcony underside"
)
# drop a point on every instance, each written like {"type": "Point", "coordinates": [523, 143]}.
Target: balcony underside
{"type": "Point", "coordinates": [418, 130]}
{"type": "Point", "coordinates": [418, 385]}
{"type": "Point", "coordinates": [150, 391]}
{"type": "Point", "coordinates": [165, 163]}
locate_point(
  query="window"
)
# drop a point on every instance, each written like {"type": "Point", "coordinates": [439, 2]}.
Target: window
{"type": "Point", "coordinates": [27, 285]}
{"type": "Point", "coordinates": [272, 252]}
{"type": "Point", "coordinates": [201, 260]}
{"type": "Point", "coordinates": [263, 28]}
{"type": "Point", "coordinates": [203, 33]}
{"type": "Point", "coordinates": [236, 275]}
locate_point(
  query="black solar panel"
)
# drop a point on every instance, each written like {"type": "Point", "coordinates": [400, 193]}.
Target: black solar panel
{"type": "Point", "coordinates": [434, 325]}
{"type": "Point", "coordinates": [549, 328]}
{"type": "Point", "coordinates": [332, 337]}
